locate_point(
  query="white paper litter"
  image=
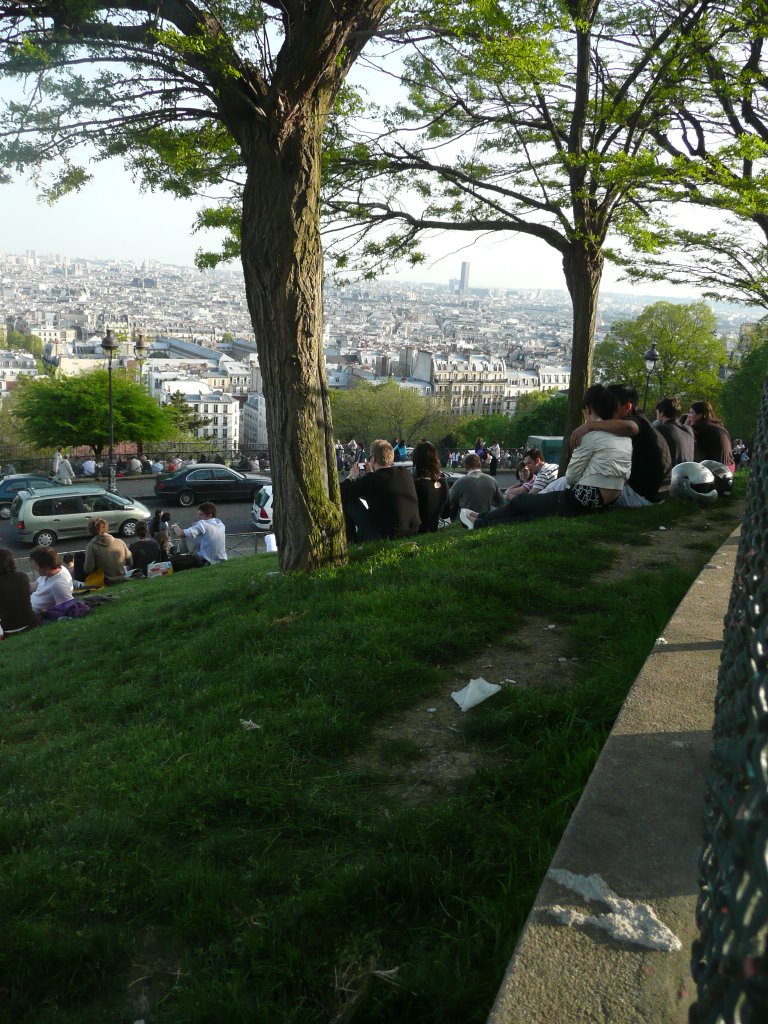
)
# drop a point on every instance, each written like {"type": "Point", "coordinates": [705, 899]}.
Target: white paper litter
{"type": "Point", "coordinates": [627, 921]}
{"type": "Point", "coordinates": [562, 659]}
{"type": "Point", "coordinates": [552, 626]}
{"type": "Point", "coordinates": [248, 724]}
{"type": "Point", "coordinates": [431, 711]}
{"type": "Point", "coordinates": [475, 692]}
{"type": "Point", "coordinates": [662, 527]}
{"type": "Point", "coordinates": [661, 641]}
{"type": "Point", "coordinates": [712, 565]}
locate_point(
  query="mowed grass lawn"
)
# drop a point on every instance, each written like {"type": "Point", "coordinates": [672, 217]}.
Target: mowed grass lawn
{"type": "Point", "coordinates": [160, 862]}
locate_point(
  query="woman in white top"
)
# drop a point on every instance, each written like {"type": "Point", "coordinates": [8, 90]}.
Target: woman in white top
{"type": "Point", "coordinates": [53, 584]}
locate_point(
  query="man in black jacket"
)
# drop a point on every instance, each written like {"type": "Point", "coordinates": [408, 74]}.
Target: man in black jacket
{"type": "Point", "coordinates": [390, 494]}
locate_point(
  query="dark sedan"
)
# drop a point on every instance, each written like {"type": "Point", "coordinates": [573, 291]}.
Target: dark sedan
{"type": "Point", "coordinates": [11, 485]}
{"type": "Point", "coordinates": [208, 482]}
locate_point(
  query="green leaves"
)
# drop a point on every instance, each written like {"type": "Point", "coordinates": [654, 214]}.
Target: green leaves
{"type": "Point", "coordinates": [690, 353]}
{"type": "Point", "coordinates": [367, 412]}
{"type": "Point", "coordinates": [75, 411]}
{"type": "Point", "coordinates": [743, 390]}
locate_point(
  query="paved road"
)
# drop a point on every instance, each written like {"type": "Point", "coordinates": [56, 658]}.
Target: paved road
{"type": "Point", "coordinates": [236, 516]}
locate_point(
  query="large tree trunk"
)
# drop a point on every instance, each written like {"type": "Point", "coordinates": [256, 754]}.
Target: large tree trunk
{"type": "Point", "coordinates": [583, 269]}
{"type": "Point", "coordinates": [283, 267]}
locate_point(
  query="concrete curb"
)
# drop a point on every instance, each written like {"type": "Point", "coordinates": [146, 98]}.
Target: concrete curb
{"type": "Point", "coordinates": [638, 825]}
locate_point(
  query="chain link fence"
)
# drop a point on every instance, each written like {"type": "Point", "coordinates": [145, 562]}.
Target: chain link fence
{"type": "Point", "coordinates": [730, 957]}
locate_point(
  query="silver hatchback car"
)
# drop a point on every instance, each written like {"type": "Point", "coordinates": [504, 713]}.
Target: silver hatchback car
{"type": "Point", "coordinates": [59, 513]}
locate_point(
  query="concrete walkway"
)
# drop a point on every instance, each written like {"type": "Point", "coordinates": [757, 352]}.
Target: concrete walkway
{"type": "Point", "coordinates": [639, 826]}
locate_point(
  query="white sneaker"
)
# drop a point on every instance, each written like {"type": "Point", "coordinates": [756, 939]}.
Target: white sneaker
{"type": "Point", "coordinates": [467, 518]}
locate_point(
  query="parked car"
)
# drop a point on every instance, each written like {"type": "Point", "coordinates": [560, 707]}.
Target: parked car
{"type": "Point", "coordinates": [208, 482]}
{"type": "Point", "coordinates": [59, 513]}
{"type": "Point", "coordinates": [11, 485]}
{"type": "Point", "coordinates": [261, 513]}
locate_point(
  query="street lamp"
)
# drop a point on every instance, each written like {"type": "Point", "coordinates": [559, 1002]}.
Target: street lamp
{"type": "Point", "coordinates": [140, 351]}
{"type": "Point", "coordinates": [651, 357]}
{"type": "Point", "coordinates": [111, 346]}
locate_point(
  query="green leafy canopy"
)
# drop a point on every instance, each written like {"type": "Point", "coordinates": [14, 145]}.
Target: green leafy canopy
{"type": "Point", "coordinates": [74, 411]}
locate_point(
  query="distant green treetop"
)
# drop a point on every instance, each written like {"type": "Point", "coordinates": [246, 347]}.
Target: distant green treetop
{"type": "Point", "coordinates": [74, 411]}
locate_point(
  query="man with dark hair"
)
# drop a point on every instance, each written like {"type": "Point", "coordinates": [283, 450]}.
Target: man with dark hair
{"type": "Point", "coordinates": [145, 550]}
{"type": "Point", "coordinates": [596, 473]}
{"type": "Point", "coordinates": [206, 538]}
{"type": "Point", "coordinates": [389, 491]}
{"type": "Point", "coordinates": [544, 474]}
{"type": "Point", "coordinates": [679, 436]}
{"type": "Point", "coordinates": [651, 460]}
{"type": "Point", "coordinates": [474, 490]}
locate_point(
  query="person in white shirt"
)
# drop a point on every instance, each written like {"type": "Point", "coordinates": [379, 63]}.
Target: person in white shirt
{"type": "Point", "coordinates": [544, 474]}
{"type": "Point", "coordinates": [207, 535]}
{"type": "Point", "coordinates": [57, 457]}
{"type": "Point", "coordinates": [53, 584]}
{"type": "Point", "coordinates": [596, 474]}
{"type": "Point", "coordinates": [89, 467]}
{"type": "Point", "coordinates": [66, 473]}
{"type": "Point", "coordinates": [495, 452]}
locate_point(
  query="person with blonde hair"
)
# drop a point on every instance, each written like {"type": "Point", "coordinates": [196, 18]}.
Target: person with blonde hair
{"type": "Point", "coordinates": [389, 492]}
{"type": "Point", "coordinates": [110, 554]}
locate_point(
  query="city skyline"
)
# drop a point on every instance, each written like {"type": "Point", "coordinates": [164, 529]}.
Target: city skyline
{"type": "Point", "coordinates": [111, 218]}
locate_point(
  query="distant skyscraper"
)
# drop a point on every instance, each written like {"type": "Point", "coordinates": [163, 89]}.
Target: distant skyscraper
{"type": "Point", "coordinates": [464, 282]}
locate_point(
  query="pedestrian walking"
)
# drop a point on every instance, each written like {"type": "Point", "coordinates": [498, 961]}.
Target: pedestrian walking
{"type": "Point", "coordinates": [66, 473]}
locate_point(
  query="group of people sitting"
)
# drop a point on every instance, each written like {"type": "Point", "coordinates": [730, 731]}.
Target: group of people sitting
{"type": "Point", "coordinates": [620, 459]}
{"type": "Point", "coordinates": [107, 561]}
{"type": "Point", "coordinates": [23, 604]}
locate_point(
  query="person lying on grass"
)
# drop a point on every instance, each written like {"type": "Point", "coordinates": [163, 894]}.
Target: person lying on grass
{"type": "Point", "coordinates": [598, 470]}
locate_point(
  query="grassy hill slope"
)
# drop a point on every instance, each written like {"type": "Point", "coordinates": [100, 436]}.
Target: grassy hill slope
{"type": "Point", "coordinates": [158, 861]}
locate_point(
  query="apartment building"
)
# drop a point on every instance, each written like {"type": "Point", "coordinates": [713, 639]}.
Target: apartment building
{"type": "Point", "coordinates": [253, 432]}
{"type": "Point", "coordinates": [15, 364]}
{"type": "Point", "coordinates": [221, 410]}
{"type": "Point", "coordinates": [470, 384]}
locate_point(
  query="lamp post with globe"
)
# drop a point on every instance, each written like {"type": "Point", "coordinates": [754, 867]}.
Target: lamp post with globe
{"type": "Point", "coordinates": [651, 358]}
{"type": "Point", "coordinates": [140, 349]}
{"type": "Point", "coordinates": [111, 346]}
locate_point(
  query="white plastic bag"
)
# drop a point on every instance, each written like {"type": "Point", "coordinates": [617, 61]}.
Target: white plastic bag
{"type": "Point", "coordinates": [475, 692]}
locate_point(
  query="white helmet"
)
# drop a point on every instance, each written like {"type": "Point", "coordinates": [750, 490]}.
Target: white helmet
{"type": "Point", "coordinates": [723, 476]}
{"type": "Point", "coordinates": [694, 481]}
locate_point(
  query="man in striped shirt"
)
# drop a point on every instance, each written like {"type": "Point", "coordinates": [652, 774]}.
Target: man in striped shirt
{"type": "Point", "coordinates": [543, 474]}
